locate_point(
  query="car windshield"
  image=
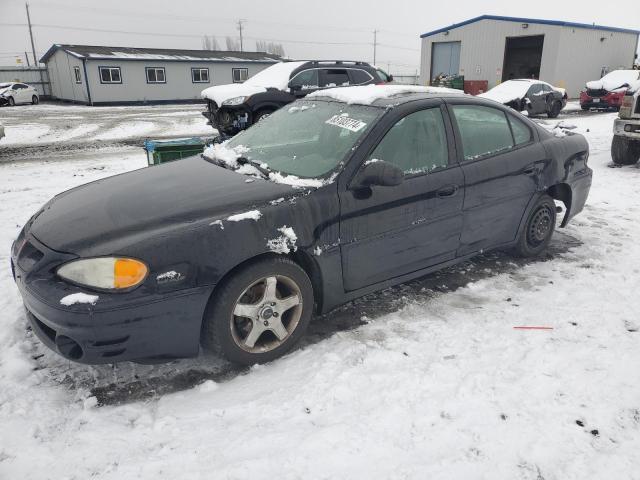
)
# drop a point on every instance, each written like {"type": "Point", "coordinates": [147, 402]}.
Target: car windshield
{"type": "Point", "coordinates": [306, 139]}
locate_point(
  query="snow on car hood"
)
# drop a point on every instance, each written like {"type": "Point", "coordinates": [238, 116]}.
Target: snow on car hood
{"type": "Point", "coordinates": [367, 94]}
{"type": "Point", "coordinates": [511, 90]}
{"type": "Point", "coordinates": [275, 76]}
{"type": "Point", "coordinates": [614, 80]}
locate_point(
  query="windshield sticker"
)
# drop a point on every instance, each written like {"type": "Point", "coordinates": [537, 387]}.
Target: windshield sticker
{"type": "Point", "coordinates": [344, 121]}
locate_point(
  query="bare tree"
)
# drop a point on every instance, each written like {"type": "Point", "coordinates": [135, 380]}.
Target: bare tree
{"type": "Point", "coordinates": [210, 42]}
{"type": "Point", "coordinates": [233, 45]}
{"type": "Point", "coordinates": [270, 47]}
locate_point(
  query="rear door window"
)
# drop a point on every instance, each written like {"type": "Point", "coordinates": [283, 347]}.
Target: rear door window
{"type": "Point", "coordinates": [334, 77]}
{"type": "Point", "coordinates": [484, 131]}
{"type": "Point", "coordinates": [521, 133]}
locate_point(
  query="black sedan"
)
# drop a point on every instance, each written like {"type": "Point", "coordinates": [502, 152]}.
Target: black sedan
{"type": "Point", "coordinates": [533, 96]}
{"type": "Point", "coordinates": [326, 200]}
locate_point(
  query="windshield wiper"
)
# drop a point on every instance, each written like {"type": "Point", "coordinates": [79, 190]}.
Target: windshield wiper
{"type": "Point", "coordinates": [257, 165]}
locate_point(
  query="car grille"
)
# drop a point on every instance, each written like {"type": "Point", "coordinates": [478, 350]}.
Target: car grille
{"type": "Point", "coordinates": [28, 256]}
{"type": "Point", "coordinates": [596, 93]}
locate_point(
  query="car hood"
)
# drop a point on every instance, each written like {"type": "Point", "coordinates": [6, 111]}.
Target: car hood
{"type": "Point", "coordinates": [3, 90]}
{"type": "Point", "coordinates": [220, 93]}
{"type": "Point", "coordinates": [127, 208]}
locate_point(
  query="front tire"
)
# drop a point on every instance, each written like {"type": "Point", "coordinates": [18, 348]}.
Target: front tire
{"type": "Point", "coordinates": [260, 312]}
{"type": "Point", "coordinates": [261, 115]}
{"type": "Point", "coordinates": [34, 100]}
{"type": "Point", "coordinates": [12, 102]}
{"type": "Point", "coordinates": [556, 107]}
{"type": "Point", "coordinates": [625, 151]}
{"type": "Point", "coordinates": [538, 229]}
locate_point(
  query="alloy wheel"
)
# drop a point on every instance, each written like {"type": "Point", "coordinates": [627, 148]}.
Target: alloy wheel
{"type": "Point", "coordinates": [266, 314]}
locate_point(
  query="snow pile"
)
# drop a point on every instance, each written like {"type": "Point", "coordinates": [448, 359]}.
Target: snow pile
{"type": "Point", "coordinates": [250, 215]}
{"type": "Point", "coordinates": [508, 91]}
{"type": "Point", "coordinates": [367, 94]}
{"type": "Point", "coordinates": [615, 80]}
{"type": "Point", "coordinates": [171, 275]}
{"type": "Point", "coordinates": [79, 298]}
{"type": "Point", "coordinates": [218, 223]}
{"type": "Point", "coordinates": [285, 243]}
{"type": "Point", "coordinates": [228, 156]}
{"type": "Point", "coordinates": [296, 181]}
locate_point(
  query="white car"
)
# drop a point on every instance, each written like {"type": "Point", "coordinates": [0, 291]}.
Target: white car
{"type": "Point", "coordinates": [1, 131]}
{"type": "Point", "coordinates": [14, 93]}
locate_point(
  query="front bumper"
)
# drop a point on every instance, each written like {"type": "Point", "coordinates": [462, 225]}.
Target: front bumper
{"type": "Point", "coordinates": [228, 120]}
{"type": "Point", "coordinates": [3, 100]}
{"type": "Point", "coordinates": [629, 128]}
{"type": "Point", "coordinates": [115, 329]}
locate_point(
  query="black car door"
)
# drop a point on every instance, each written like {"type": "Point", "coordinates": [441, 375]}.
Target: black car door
{"type": "Point", "coordinates": [536, 100]}
{"type": "Point", "coordinates": [502, 161]}
{"type": "Point", "coordinates": [391, 231]}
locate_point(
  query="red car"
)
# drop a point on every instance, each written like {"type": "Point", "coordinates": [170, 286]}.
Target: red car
{"type": "Point", "coordinates": [609, 91]}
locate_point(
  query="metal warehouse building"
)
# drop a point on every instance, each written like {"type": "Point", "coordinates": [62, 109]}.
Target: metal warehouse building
{"type": "Point", "coordinates": [496, 49]}
{"type": "Point", "coordinates": [119, 75]}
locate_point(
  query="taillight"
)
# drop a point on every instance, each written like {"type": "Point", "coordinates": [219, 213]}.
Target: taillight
{"type": "Point", "coordinates": [627, 101]}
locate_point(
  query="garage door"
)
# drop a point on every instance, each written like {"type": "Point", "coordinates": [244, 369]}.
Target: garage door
{"type": "Point", "coordinates": [445, 58]}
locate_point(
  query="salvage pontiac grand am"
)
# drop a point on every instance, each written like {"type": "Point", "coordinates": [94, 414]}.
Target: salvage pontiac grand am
{"type": "Point", "coordinates": [341, 194]}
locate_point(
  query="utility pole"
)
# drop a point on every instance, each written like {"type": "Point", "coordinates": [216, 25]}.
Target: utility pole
{"type": "Point", "coordinates": [33, 50]}
{"type": "Point", "coordinates": [27, 57]}
{"type": "Point", "coordinates": [33, 46]}
{"type": "Point", "coordinates": [375, 45]}
{"type": "Point", "coordinates": [240, 29]}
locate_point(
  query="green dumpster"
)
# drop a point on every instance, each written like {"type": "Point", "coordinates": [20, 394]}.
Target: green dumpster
{"type": "Point", "coordinates": [162, 151]}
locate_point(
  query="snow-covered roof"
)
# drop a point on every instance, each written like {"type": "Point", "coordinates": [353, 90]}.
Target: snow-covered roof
{"type": "Point", "coordinates": [131, 53]}
{"type": "Point", "coordinates": [538, 21]}
{"type": "Point", "coordinates": [614, 80]}
{"type": "Point", "coordinates": [367, 94]}
{"type": "Point", "coordinates": [511, 90]}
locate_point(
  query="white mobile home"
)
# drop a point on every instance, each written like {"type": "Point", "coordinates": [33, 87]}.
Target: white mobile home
{"type": "Point", "coordinates": [96, 75]}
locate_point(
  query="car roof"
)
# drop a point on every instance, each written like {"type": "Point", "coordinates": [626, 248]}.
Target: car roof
{"type": "Point", "coordinates": [384, 95]}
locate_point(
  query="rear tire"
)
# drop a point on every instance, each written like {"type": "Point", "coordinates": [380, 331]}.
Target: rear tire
{"type": "Point", "coordinates": [538, 229]}
{"type": "Point", "coordinates": [556, 107]}
{"type": "Point", "coordinates": [274, 297]}
{"type": "Point", "coordinates": [625, 151]}
{"type": "Point", "coordinates": [34, 100]}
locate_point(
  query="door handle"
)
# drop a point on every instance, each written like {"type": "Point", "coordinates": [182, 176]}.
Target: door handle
{"type": "Point", "coordinates": [531, 170]}
{"type": "Point", "coordinates": [448, 191]}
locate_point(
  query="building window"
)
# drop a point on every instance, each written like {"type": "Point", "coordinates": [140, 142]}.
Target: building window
{"type": "Point", "coordinates": [155, 75]}
{"type": "Point", "coordinates": [200, 75]}
{"type": "Point", "coordinates": [239, 74]}
{"type": "Point", "coordinates": [110, 75]}
{"type": "Point", "coordinates": [76, 74]}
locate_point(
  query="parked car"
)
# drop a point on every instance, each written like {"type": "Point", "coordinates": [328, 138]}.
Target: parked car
{"type": "Point", "coordinates": [608, 92]}
{"type": "Point", "coordinates": [1, 131]}
{"type": "Point", "coordinates": [534, 96]}
{"type": "Point", "coordinates": [625, 147]}
{"type": "Point", "coordinates": [346, 192]}
{"type": "Point", "coordinates": [13, 93]}
{"type": "Point", "coordinates": [234, 107]}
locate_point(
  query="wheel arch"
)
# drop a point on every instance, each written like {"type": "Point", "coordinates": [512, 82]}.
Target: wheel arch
{"type": "Point", "coordinates": [562, 192]}
{"type": "Point", "coordinates": [299, 257]}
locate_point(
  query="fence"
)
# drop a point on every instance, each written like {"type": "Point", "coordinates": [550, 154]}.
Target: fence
{"type": "Point", "coordinates": [37, 77]}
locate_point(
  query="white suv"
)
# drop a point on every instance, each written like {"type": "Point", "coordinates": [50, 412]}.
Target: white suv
{"type": "Point", "coordinates": [14, 93]}
{"type": "Point", "coordinates": [625, 148]}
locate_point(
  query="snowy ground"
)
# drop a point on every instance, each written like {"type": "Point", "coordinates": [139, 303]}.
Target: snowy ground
{"type": "Point", "coordinates": [427, 380]}
{"type": "Point", "coordinates": [33, 131]}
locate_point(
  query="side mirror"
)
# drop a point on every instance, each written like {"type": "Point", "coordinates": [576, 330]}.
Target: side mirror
{"type": "Point", "coordinates": [295, 88]}
{"type": "Point", "coordinates": [379, 173]}
{"type": "Point", "coordinates": [390, 77]}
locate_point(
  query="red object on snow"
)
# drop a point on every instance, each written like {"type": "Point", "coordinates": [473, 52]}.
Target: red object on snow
{"type": "Point", "coordinates": [476, 87]}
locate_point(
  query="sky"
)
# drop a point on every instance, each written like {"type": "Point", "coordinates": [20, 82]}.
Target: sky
{"type": "Point", "coordinates": [326, 29]}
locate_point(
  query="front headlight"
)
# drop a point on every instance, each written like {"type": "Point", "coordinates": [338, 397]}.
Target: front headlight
{"type": "Point", "coordinates": [107, 273]}
{"type": "Point", "coordinates": [235, 101]}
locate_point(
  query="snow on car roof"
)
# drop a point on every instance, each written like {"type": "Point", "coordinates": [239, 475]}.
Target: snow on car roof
{"type": "Point", "coordinates": [511, 90]}
{"type": "Point", "coordinates": [614, 80]}
{"type": "Point", "coordinates": [275, 76]}
{"type": "Point", "coordinates": [367, 94]}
